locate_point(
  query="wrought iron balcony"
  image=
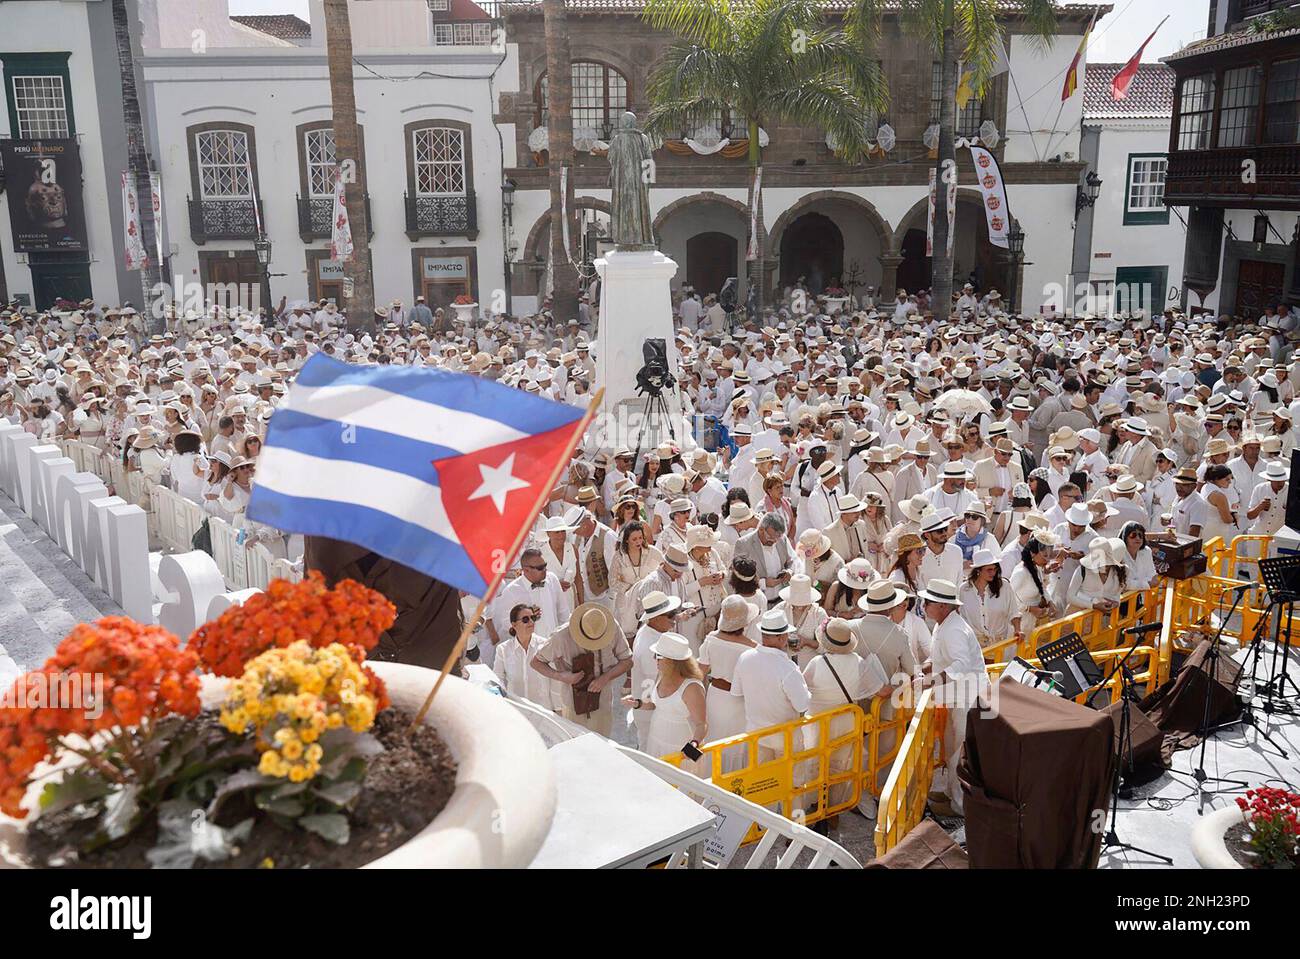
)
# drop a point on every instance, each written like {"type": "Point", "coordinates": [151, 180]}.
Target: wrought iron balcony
{"type": "Point", "coordinates": [1235, 176]}
{"type": "Point", "coordinates": [234, 219]}
{"type": "Point", "coordinates": [441, 216]}
{"type": "Point", "coordinates": [316, 217]}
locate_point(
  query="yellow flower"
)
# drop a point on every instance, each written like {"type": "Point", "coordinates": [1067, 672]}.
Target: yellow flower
{"type": "Point", "coordinates": [298, 774]}
{"type": "Point", "coordinates": [269, 764]}
{"type": "Point", "coordinates": [292, 749]}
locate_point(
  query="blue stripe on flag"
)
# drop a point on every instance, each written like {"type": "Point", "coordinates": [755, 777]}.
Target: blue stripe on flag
{"type": "Point", "coordinates": [400, 541]}
{"type": "Point", "coordinates": [457, 391]}
{"type": "Point", "coordinates": [333, 440]}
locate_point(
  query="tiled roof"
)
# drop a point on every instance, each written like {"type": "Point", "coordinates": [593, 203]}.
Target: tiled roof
{"type": "Point", "coordinates": [1151, 94]}
{"type": "Point", "coordinates": [1226, 41]}
{"type": "Point", "coordinates": [284, 26]}
{"type": "Point", "coordinates": [1077, 10]}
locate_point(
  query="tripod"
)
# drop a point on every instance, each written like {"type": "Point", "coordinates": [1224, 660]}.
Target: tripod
{"type": "Point", "coordinates": [1123, 745]}
{"type": "Point", "coordinates": [656, 406]}
{"type": "Point", "coordinates": [1278, 678]}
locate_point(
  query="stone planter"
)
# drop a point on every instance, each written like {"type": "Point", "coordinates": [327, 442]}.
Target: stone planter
{"type": "Point", "coordinates": [464, 314]}
{"type": "Point", "coordinates": [835, 304]}
{"type": "Point", "coordinates": [1208, 847]}
{"type": "Point", "coordinates": [500, 812]}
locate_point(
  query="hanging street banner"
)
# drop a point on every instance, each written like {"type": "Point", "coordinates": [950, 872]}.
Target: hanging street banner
{"type": "Point", "coordinates": [43, 181]}
{"type": "Point", "coordinates": [341, 236]}
{"type": "Point", "coordinates": [752, 252]}
{"type": "Point", "coordinates": [155, 197]}
{"type": "Point", "coordinates": [132, 242]}
{"type": "Point", "coordinates": [952, 212]}
{"type": "Point", "coordinates": [994, 192]}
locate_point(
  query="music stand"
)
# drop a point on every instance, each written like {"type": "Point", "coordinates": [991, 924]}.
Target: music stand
{"type": "Point", "coordinates": [1281, 574]}
{"type": "Point", "coordinates": [1071, 659]}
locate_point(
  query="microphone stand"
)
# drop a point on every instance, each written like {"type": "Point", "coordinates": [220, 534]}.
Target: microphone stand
{"type": "Point", "coordinates": [1123, 744]}
{"type": "Point", "coordinates": [1211, 668]}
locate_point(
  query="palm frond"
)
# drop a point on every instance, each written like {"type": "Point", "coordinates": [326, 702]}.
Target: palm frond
{"type": "Point", "coordinates": [707, 22]}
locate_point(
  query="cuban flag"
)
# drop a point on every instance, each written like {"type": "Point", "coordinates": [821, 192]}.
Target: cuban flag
{"type": "Point", "coordinates": [436, 470]}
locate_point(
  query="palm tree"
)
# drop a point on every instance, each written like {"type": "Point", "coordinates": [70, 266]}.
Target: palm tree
{"type": "Point", "coordinates": [768, 61]}
{"type": "Point", "coordinates": [137, 156]}
{"type": "Point", "coordinates": [559, 132]}
{"type": "Point", "coordinates": [347, 147]}
{"type": "Point", "coordinates": [965, 30]}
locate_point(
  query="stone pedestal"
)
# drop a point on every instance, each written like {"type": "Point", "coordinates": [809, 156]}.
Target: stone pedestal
{"type": "Point", "coordinates": [635, 305]}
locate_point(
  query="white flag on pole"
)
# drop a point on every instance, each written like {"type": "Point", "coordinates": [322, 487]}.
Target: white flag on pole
{"type": "Point", "coordinates": [341, 232]}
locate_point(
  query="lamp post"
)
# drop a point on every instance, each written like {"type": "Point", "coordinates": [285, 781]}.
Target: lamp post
{"type": "Point", "coordinates": [1016, 246]}
{"type": "Point", "coordinates": [508, 188]}
{"type": "Point", "coordinates": [1086, 195]}
{"type": "Point", "coordinates": [263, 247]}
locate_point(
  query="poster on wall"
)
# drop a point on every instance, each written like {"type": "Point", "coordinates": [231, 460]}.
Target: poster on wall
{"type": "Point", "coordinates": [43, 182]}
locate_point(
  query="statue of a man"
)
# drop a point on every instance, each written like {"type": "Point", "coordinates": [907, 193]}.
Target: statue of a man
{"type": "Point", "coordinates": [630, 172]}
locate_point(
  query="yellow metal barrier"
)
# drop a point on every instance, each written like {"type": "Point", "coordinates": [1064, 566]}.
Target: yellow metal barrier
{"type": "Point", "coordinates": [902, 801]}
{"type": "Point", "coordinates": [1144, 662]}
{"type": "Point", "coordinates": [1099, 630]}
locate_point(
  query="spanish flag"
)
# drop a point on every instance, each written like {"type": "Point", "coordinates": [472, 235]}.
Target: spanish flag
{"type": "Point", "coordinates": [1072, 75]}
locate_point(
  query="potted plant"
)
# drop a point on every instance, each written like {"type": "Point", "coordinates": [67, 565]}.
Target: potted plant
{"type": "Point", "coordinates": [268, 740]}
{"type": "Point", "coordinates": [1259, 831]}
{"type": "Point", "coordinates": [464, 305]}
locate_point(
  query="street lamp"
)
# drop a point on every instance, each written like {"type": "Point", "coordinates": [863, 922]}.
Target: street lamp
{"type": "Point", "coordinates": [262, 245]}
{"type": "Point", "coordinates": [1086, 195]}
{"type": "Point", "coordinates": [1016, 246]}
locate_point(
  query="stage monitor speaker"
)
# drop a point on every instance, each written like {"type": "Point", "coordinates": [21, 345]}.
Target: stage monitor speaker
{"type": "Point", "coordinates": [1142, 761]}
{"type": "Point", "coordinates": [1293, 492]}
{"type": "Point", "coordinates": [1178, 707]}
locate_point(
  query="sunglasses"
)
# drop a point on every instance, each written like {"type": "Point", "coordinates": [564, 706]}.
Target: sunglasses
{"type": "Point", "coordinates": [527, 619]}
{"type": "Point", "coordinates": [537, 567]}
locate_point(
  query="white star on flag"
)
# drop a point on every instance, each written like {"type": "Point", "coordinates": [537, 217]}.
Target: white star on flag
{"type": "Point", "coordinates": [498, 481]}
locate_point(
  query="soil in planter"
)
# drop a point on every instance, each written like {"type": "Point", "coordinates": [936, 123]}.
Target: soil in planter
{"type": "Point", "coordinates": [405, 787]}
{"type": "Point", "coordinates": [1237, 841]}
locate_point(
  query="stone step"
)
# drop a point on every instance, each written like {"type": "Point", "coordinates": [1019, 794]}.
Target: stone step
{"type": "Point", "coordinates": [23, 643]}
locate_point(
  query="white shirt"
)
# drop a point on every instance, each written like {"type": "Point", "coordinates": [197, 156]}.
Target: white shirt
{"type": "Point", "coordinates": [955, 653]}
{"type": "Point", "coordinates": [946, 565]}
{"type": "Point", "coordinates": [1190, 511]}
{"type": "Point", "coordinates": [990, 616]}
{"type": "Point", "coordinates": [773, 688]}
{"type": "Point", "coordinates": [513, 666]}
{"type": "Point", "coordinates": [553, 601]}
{"type": "Point", "coordinates": [1272, 519]}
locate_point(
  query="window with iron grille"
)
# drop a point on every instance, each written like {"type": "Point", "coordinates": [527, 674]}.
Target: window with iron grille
{"type": "Point", "coordinates": [1239, 111]}
{"type": "Point", "coordinates": [472, 33]}
{"type": "Point", "coordinates": [599, 97]}
{"type": "Point", "coordinates": [1282, 111]}
{"type": "Point", "coordinates": [225, 171]}
{"type": "Point", "coordinates": [1196, 112]}
{"type": "Point", "coordinates": [969, 117]}
{"type": "Point", "coordinates": [439, 161]}
{"type": "Point", "coordinates": [318, 148]}
{"type": "Point", "coordinates": [40, 106]}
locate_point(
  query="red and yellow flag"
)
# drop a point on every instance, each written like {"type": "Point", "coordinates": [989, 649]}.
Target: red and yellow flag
{"type": "Point", "coordinates": [1072, 75]}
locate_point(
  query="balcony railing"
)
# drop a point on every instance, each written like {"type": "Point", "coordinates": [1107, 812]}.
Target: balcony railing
{"type": "Point", "coordinates": [441, 216]}
{"type": "Point", "coordinates": [234, 219]}
{"type": "Point", "coordinates": [1222, 177]}
{"type": "Point", "coordinates": [316, 217]}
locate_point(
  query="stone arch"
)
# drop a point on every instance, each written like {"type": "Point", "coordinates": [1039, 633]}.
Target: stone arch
{"type": "Point", "coordinates": [540, 231]}
{"type": "Point", "coordinates": [708, 196]}
{"type": "Point", "coordinates": [806, 203]}
{"type": "Point", "coordinates": [921, 207]}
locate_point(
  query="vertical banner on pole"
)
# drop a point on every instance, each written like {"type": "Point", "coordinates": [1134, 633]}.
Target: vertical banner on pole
{"type": "Point", "coordinates": [752, 252]}
{"type": "Point", "coordinates": [994, 193]}
{"type": "Point", "coordinates": [341, 229]}
{"type": "Point", "coordinates": [132, 243]}
{"type": "Point", "coordinates": [155, 199]}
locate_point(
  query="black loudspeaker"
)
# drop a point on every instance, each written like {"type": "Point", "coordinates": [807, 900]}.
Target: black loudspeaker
{"type": "Point", "coordinates": [1142, 760]}
{"type": "Point", "coordinates": [1293, 492]}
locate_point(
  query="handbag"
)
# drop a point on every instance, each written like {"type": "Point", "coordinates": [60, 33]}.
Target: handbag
{"type": "Point", "coordinates": [202, 538]}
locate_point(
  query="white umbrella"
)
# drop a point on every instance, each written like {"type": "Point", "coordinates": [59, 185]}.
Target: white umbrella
{"type": "Point", "coordinates": [963, 403]}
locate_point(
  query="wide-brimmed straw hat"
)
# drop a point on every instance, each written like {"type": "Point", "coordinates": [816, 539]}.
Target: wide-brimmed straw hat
{"type": "Point", "coordinates": [800, 591]}
{"type": "Point", "coordinates": [882, 595]}
{"type": "Point", "coordinates": [592, 626]}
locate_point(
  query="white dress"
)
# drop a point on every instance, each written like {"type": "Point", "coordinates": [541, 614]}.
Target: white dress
{"type": "Point", "coordinates": [724, 712]}
{"type": "Point", "coordinates": [670, 722]}
{"type": "Point", "coordinates": [1214, 524]}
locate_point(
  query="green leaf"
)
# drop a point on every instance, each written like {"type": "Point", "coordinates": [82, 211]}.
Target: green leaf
{"type": "Point", "coordinates": [332, 826]}
{"type": "Point", "coordinates": [289, 807]}
{"type": "Point", "coordinates": [339, 793]}
{"type": "Point", "coordinates": [75, 787]}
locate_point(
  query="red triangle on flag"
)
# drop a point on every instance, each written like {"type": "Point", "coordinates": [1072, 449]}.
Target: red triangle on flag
{"type": "Point", "coordinates": [490, 494]}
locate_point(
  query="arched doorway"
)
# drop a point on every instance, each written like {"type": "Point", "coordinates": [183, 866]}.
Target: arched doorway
{"type": "Point", "coordinates": [710, 260]}
{"type": "Point", "coordinates": [812, 247]}
{"type": "Point", "coordinates": [914, 272]}
{"type": "Point", "coordinates": [975, 259]}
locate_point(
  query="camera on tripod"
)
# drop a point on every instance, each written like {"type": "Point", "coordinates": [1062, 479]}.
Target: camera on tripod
{"type": "Point", "coordinates": [653, 377]}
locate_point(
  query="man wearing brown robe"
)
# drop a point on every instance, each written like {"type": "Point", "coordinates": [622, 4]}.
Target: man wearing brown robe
{"type": "Point", "coordinates": [428, 610]}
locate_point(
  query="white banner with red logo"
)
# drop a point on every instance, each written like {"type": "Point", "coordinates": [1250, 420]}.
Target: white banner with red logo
{"type": "Point", "coordinates": [155, 197]}
{"type": "Point", "coordinates": [989, 176]}
{"type": "Point", "coordinates": [952, 212]}
{"type": "Point", "coordinates": [133, 245]}
{"type": "Point", "coordinates": [341, 234]}
{"type": "Point", "coordinates": [752, 252]}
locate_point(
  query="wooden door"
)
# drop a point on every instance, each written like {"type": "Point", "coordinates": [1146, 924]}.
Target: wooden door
{"type": "Point", "coordinates": [1258, 284]}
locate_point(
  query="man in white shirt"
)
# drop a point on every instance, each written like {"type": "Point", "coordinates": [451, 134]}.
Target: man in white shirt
{"type": "Point", "coordinates": [940, 558]}
{"type": "Point", "coordinates": [957, 669]}
{"type": "Point", "coordinates": [1267, 505]}
{"type": "Point", "coordinates": [1190, 509]}
{"type": "Point", "coordinates": [535, 586]}
{"type": "Point", "coordinates": [770, 683]}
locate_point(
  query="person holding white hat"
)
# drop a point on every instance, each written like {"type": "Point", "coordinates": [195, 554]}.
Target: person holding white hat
{"type": "Point", "coordinates": [675, 702]}
{"type": "Point", "coordinates": [737, 632]}
{"type": "Point", "coordinates": [1101, 579]}
{"type": "Point", "coordinates": [771, 685]}
{"type": "Point", "coordinates": [989, 603]}
{"type": "Point", "coordinates": [956, 668]}
{"type": "Point", "coordinates": [1267, 505]}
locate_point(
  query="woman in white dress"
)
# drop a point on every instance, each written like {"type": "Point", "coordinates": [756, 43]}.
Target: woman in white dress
{"type": "Point", "coordinates": [678, 712]}
{"type": "Point", "coordinates": [188, 467]}
{"type": "Point", "coordinates": [876, 519]}
{"type": "Point", "coordinates": [1138, 561]}
{"type": "Point", "coordinates": [1224, 505]}
{"type": "Point", "coordinates": [513, 660]}
{"type": "Point", "coordinates": [988, 604]}
{"type": "Point", "coordinates": [633, 560]}
{"type": "Point", "coordinates": [1034, 580]}
{"type": "Point", "coordinates": [838, 676]}
{"type": "Point", "coordinates": [1101, 578]}
{"type": "Point", "coordinates": [800, 601]}
{"type": "Point", "coordinates": [236, 492]}
{"type": "Point", "coordinates": [725, 713]}
{"type": "Point", "coordinates": [218, 471]}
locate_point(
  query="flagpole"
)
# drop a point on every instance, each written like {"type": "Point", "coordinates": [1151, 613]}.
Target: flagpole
{"type": "Point", "coordinates": [543, 497]}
